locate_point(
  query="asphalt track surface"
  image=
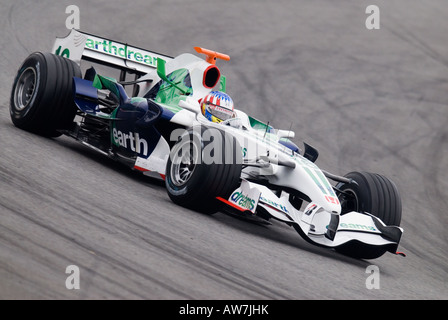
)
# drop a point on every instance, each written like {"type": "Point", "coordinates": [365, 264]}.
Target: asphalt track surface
{"type": "Point", "coordinates": [373, 100]}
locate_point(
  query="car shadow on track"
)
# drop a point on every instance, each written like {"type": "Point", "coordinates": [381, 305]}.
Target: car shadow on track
{"type": "Point", "coordinates": [281, 233]}
{"type": "Point", "coordinates": [272, 230]}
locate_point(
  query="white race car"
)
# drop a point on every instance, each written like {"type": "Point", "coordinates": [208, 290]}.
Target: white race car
{"type": "Point", "coordinates": [241, 164]}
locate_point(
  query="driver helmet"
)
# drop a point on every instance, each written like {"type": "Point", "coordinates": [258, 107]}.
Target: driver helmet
{"type": "Point", "coordinates": [217, 106]}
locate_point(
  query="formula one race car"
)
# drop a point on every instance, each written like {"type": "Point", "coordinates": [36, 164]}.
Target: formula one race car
{"type": "Point", "coordinates": [240, 164]}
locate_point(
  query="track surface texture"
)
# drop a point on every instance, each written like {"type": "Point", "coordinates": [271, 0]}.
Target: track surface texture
{"type": "Point", "coordinates": [368, 100]}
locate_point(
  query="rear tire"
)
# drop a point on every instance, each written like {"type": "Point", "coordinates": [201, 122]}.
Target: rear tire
{"type": "Point", "coordinates": [42, 95]}
{"type": "Point", "coordinates": [374, 194]}
{"type": "Point", "coordinates": [194, 183]}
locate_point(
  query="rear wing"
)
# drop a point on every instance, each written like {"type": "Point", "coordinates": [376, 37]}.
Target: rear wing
{"type": "Point", "coordinates": [79, 46]}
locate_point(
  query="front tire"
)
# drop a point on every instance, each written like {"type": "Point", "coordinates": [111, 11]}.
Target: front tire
{"type": "Point", "coordinates": [42, 95]}
{"type": "Point", "coordinates": [374, 194]}
{"type": "Point", "coordinates": [192, 182]}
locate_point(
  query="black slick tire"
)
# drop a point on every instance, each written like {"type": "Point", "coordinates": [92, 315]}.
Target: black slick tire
{"type": "Point", "coordinates": [42, 96]}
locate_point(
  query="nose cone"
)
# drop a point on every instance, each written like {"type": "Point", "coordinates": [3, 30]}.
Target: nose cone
{"type": "Point", "coordinates": [331, 204]}
{"type": "Point", "coordinates": [310, 180]}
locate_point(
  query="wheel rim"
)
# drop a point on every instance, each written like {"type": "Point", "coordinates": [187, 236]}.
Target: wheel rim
{"type": "Point", "coordinates": [25, 89]}
{"type": "Point", "coordinates": [349, 201]}
{"type": "Point", "coordinates": [183, 165]}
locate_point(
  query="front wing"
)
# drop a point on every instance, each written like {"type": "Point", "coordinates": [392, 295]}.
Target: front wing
{"type": "Point", "coordinates": [315, 224]}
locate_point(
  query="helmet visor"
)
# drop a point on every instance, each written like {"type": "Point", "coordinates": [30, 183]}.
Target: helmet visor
{"type": "Point", "coordinates": [221, 113]}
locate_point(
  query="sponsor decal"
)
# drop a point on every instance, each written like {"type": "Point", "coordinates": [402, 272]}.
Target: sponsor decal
{"type": "Point", "coordinates": [274, 204]}
{"type": "Point", "coordinates": [356, 226]}
{"type": "Point", "coordinates": [310, 209]}
{"type": "Point", "coordinates": [332, 200]}
{"type": "Point", "coordinates": [73, 47]}
{"type": "Point", "coordinates": [120, 50]}
{"type": "Point", "coordinates": [130, 140]}
{"type": "Point", "coordinates": [243, 200]}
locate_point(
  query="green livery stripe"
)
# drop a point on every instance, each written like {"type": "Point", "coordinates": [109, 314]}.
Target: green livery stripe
{"type": "Point", "coordinates": [325, 182]}
{"type": "Point", "coordinates": [258, 125]}
{"type": "Point", "coordinates": [103, 82]}
{"type": "Point", "coordinates": [222, 84]}
{"type": "Point", "coordinates": [316, 180]}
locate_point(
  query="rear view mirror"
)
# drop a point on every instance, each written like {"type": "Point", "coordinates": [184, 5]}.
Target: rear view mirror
{"type": "Point", "coordinates": [310, 152]}
{"type": "Point", "coordinates": [286, 134]}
